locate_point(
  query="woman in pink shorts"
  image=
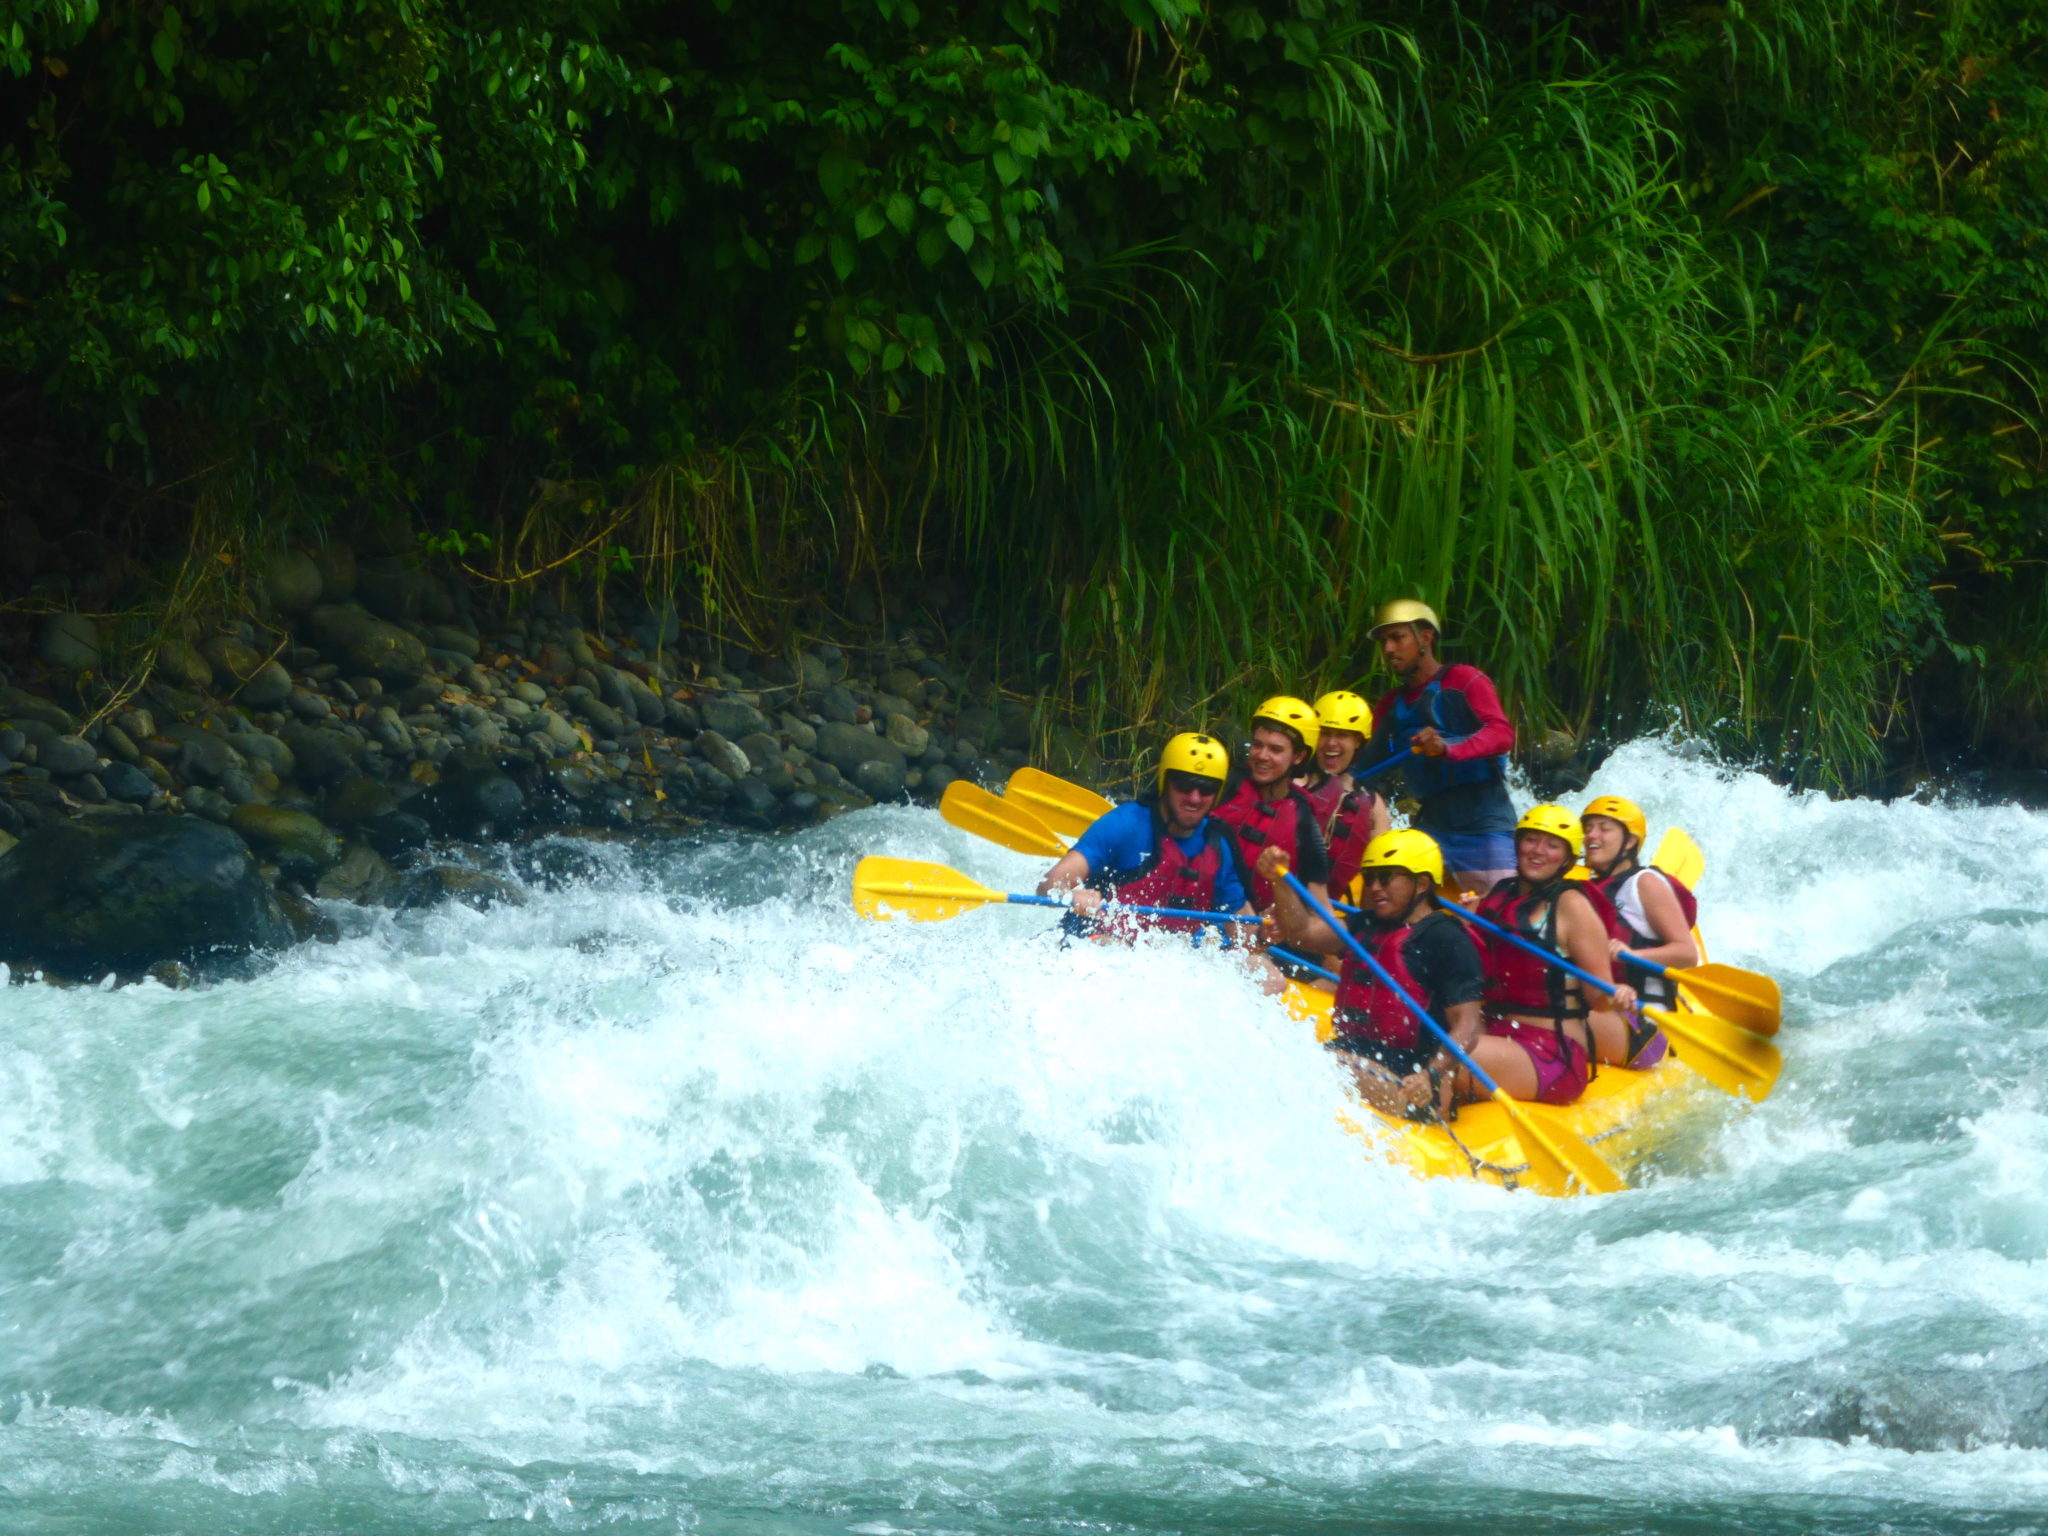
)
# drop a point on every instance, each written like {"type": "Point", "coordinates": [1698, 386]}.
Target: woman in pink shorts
{"type": "Point", "coordinates": [1539, 1038]}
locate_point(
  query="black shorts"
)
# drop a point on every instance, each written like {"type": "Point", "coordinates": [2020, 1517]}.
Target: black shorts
{"type": "Point", "coordinates": [1399, 1060]}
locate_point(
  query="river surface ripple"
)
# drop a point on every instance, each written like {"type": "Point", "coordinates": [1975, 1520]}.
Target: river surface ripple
{"type": "Point", "coordinates": [678, 1199]}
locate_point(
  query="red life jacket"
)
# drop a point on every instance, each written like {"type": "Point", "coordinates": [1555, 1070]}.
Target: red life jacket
{"type": "Point", "coordinates": [1518, 982]}
{"type": "Point", "coordinates": [1289, 823]}
{"type": "Point", "coordinates": [1657, 991]}
{"type": "Point", "coordinates": [1365, 1007]}
{"type": "Point", "coordinates": [1347, 831]}
{"type": "Point", "coordinates": [1169, 878]}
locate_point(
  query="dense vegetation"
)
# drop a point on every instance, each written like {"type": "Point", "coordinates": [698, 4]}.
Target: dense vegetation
{"type": "Point", "coordinates": [1687, 355]}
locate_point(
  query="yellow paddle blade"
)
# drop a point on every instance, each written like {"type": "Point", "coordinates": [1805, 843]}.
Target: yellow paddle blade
{"type": "Point", "coordinates": [1680, 858]}
{"type": "Point", "coordinates": [1067, 808]}
{"type": "Point", "coordinates": [1748, 998]}
{"type": "Point", "coordinates": [924, 893]}
{"type": "Point", "coordinates": [1007, 823]}
{"type": "Point", "coordinates": [1559, 1162]}
{"type": "Point", "coordinates": [1726, 1055]}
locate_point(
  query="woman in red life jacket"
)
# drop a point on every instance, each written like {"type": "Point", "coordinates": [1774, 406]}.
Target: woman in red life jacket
{"type": "Point", "coordinates": [1553, 1033]}
{"type": "Point", "coordinates": [1397, 1063]}
{"type": "Point", "coordinates": [1349, 814]}
{"type": "Point", "coordinates": [1268, 810]}
{"type": "Point", "coordinates": [1656, 912]}
{"type": "Point", "coordinates": [1172, 853]}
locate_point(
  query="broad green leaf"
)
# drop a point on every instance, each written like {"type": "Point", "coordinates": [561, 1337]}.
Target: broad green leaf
{"type": "Point", "coordinates": [902, 212]}
{"type": "Point", "coordinates": [836, 172]}
{"type": "Point", "coordinates": [869, 221]}
{"type": "Point", "coordinates": [960, 230]}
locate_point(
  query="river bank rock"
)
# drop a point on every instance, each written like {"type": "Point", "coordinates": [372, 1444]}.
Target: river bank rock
{"type": "Point", "coordinates": [362, 728]}
{"type": "Point", "coordinates": [91, 897]}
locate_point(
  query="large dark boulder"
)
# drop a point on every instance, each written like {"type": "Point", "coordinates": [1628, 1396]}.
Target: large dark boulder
{"type": "Point", "coordinates": [121, 894]}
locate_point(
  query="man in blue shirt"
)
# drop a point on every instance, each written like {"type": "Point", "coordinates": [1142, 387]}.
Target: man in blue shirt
{"type": "Point", "coordinates": [1172, 853]}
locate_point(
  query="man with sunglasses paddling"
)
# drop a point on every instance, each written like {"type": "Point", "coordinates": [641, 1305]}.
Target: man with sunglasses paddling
{"type": "Point", "coordinates": [1172, 852]}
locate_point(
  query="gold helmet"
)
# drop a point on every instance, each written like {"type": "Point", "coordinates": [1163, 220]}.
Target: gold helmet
{"type": "Point", "coordinates": [1192, 752]}
{"type": "Point", "coordinates": [1559, 823]}
{"type": "Point", "coordinates": [1627, 812]}
{"type": "Point", "coordinates": [1290, 714]}
{"type": "Point", "coordinates": [1404, 610]}
{"type": "Point", "coordinates": [1341, 711]}
{"type": "Point", "coordinates": [1405, 848]}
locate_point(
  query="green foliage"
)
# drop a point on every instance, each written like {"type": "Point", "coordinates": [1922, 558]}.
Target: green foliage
{"type": "Point", "coordinates": [1684, 356]}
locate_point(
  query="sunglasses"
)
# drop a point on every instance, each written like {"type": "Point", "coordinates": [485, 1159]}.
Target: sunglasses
{"type": "Point", "coordinates": [1194, 784]}
{"type": "Point", "coordinates": [1382, 875]}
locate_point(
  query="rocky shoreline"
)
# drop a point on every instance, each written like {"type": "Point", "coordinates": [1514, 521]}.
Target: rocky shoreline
{"type": "Point", "coordinates": [350, 743]}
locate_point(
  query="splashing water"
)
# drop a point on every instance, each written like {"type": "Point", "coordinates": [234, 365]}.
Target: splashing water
{"type": "Point", "coordinates": [678, 1198]}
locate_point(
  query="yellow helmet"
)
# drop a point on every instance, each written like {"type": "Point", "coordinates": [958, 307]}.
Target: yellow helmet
{"type": "Point", "coordinates": [1558, 822]}
{"type": "Point", "coordinates": [1405, 848]}
{"type": "Point", "coordinates": [1404, 610]}
{"type": "Point", "coordinates": [1192, 752]}
{"type": "Point", "coordinates": [1341, 711]}
{"type": "Point", "coordinates": [1627, 812]}
{"type": "Point", "coordinates": [1290, 713]}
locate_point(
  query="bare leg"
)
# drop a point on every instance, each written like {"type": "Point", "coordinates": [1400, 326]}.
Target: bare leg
{"type": "Point", "coordinates": [1503, 1061]}
{"type": "Point", "coordinates": [1610, 1038]}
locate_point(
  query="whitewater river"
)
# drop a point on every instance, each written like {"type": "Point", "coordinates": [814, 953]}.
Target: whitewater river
{"type": "Point", "coordinates": [679, 1199]}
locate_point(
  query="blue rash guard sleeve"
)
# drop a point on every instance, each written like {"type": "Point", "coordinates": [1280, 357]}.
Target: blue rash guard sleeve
{"type": "Point", "coordinates": [1118, 839]}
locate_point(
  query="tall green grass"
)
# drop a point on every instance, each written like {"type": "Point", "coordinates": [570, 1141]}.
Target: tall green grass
{"type": "Point", "coordinates": [1496, 357]}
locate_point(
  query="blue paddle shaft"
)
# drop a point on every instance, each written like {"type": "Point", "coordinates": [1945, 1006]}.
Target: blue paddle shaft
{"type": "Point", "coordinates": [1547, 956]}
{"type": "Point", "coordinates": [1654, 967]}
{"type": "Point", "coordinates": [1302, 962]}
{"type": "Point", "coordinates": [1322, 910]}
{"type": "Point", "coordinates": [1395, 761]}
{"type": "Point", "coordinates": [1115, 911]}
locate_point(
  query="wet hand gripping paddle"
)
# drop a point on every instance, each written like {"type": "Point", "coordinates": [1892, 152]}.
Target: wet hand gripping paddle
{"type": "Point", "coordinates": [1726, 1055]}
{"type": "Point", "coordinates": [931, 893]}
{"type": "Point", "coordinates": [1560, 1161]}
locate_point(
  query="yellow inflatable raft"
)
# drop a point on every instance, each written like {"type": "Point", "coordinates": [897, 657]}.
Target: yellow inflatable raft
{"type": "Point", "coordinates": [1619, 1113]}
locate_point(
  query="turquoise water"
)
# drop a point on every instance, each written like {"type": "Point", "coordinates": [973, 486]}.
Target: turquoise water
{"type": "Point", "coordinates": [680, 1200]}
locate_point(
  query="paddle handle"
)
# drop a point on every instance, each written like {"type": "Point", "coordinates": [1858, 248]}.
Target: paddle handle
{"type": "Point", "coordinates": [1654, 967]}
{"type": "Point", "coordinates": [1547, 956]}
{"type": "Point", "coordinates": [1116, 911]}
{"type": "Point", "coordinates": [1321, 909]}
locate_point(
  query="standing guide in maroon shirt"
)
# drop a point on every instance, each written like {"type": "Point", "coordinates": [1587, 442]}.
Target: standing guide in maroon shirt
{"type": "Point", "coordinates": [1450, 716]}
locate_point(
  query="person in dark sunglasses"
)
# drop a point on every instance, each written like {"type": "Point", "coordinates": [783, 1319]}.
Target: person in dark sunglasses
{"type": "Point", "coordinates": [1172, 852]}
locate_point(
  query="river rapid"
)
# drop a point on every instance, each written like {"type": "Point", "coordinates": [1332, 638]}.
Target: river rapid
{"type": "Point", "coordinates": [680, 1199]}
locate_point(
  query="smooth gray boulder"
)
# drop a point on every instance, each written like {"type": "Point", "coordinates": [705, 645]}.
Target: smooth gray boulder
{"type": "Point", "coordinates": [121, 894]}
{"type": "Point", "coordinates": [731, 718]}
{"type": "Point", "coordinates": [289, 837]}
{"type": "Point", "coordinates": [70, 642]}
